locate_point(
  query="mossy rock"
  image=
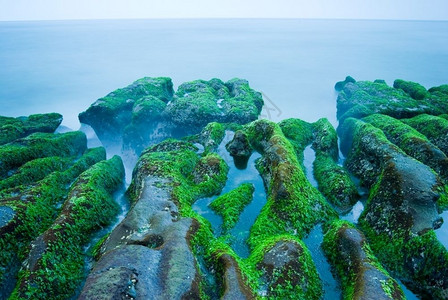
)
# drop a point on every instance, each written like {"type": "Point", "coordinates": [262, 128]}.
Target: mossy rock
{"type": "Point", "coordinates": [433, 127]}
{"type": "Point", "coordinates": [200, 102]}
{"type": "Point", "coordinates": [36, 211]}
{"type": "Point", "coordinates": [293, 205]}
{"type": "Point", "coordinates": [412, 142]}
{"type": "Point", "coordinates": [299, 133]}
{"type": "Point", "coordinates": [148, 111]}
{"type": "Point", "coordinates": [413, 89]}
{"type": "Point", "coordinates": [359, 271]}
{"type": "Point", "coordinates": [55, 264]}
{"type": "Point", "coordinates": [230, 205]}
{"type": "Point", "coordinates": [287, 269]}
{"type": "Point", "coordinates": [325, 138]}
{"type": "Point", "coordinates": [39, 145]}
{"type": "Point", "coordinates": [341, 84]}
{"type": "Point", "coordinates": [14, 128]}
{"type": "Point", "coordinates": [335, 182]}
{"type": "Point", "coordinates": [364, 98]}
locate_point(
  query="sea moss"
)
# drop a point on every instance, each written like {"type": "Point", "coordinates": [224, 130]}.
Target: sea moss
{"type": "Point", "coordinates": [230, 205]}
{"type": "Point", "coordinates": [37, 208]}
{"type": "Point", "coordinates": [333, 180]}
{"type": "Point", "coordinates": [356, 265]}
{"type": "Point", "coordinates": [413, 89]}
{"type": "Point", "coordinates": [299, 133]}
{"type": "Point", "coordinates": [14, 128]}
{"type": "Point", "coordinates": [55, 265]}
{"type": "Point", "coordinates": [433, 127]}
{"type": "Point", "coordinates": [200, 102]}
{"type": "Point", "coordinates": [412, 142]}
{"type": "Point", "coordinates": [39, 145]}
{"type": "Point", "coordinates": [293, 205]}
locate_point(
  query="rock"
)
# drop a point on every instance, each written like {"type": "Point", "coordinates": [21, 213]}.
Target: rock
{"type": "Point", "coordinates": [433, 127]}
{"type": "Point", "coordinates": [231, 204]}
{"type": "Point", "coordinates": [413, 89]}
{"type": "Point", "coordinates": [294, 206]}
{"type": "Point", "coordinates": [412, 142]}
{"type": "Point", "coordinates": [109, 115]}
{"type": "Point", "coordinates": [234, 285]}
{"type": "Point", "coordinates": [6, 216]}
{"type": "Point", "coordinates": [359, 271]}
{"type": "Point", "coordinates": [211, 136]}
{"type": "Point", "coordinates": [288, 270]}
{"type": "Point", "coordinates": [54, 266]}
{"type": "Point", "coordinates": [39, 145]}
{"type": "Point", "coordinates": [148, 111]}
{"type": "Point", "coordinates": [14, 128]}
{"type": "Point", "coordinates": [401, 211]}
{"type": "Point", "coordinates": [404, 191]}
{"type": "Point", "coordinates": [239, 146]}
{"type": "Point", "coordinates": [341, 84]}
{"type": "Point", "coordinates": [364, 98]}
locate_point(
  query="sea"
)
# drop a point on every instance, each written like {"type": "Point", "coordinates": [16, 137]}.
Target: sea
{"type": "Point", "coordinates": [64, 66]}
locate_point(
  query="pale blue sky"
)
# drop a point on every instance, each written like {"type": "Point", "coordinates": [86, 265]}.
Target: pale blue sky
{"type": "Point", "coordinates": [119, 9]}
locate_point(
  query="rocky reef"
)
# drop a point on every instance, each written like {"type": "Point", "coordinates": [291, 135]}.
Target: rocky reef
{"type": "Point", "coordinates": [399, 156]}
{"type": "Point", "coordinates": [149, 110]}
{"type": "Point", "coordinates": [54, 192]}
{"type": "Point", "coordinates": [203, 144]}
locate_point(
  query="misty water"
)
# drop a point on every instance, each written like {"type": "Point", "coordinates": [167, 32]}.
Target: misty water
{"type": "Point", "coordinates": [64, 66]}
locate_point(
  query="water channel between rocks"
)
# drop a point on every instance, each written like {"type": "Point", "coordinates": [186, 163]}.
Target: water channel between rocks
{"type": "Point", "coordinates": [236, 177]}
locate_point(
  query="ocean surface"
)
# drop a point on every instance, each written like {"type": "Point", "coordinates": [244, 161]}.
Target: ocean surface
{"type": "Point", "coordinates": [64, 66]}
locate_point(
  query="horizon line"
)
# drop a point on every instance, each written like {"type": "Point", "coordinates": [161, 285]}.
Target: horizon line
{"type": "Point", "coordinates": [225, 18]}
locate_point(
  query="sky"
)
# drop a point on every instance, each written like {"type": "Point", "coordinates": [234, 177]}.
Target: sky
{"type": "Point", "coordinates": [13, 10]}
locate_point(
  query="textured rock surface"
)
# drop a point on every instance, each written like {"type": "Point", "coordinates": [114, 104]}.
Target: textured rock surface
{"type": "Point", "coordinates": [361, 274]}
{"type": "Point", "coordinates": [148, 111]}
{"type": "Point", "coordinates": [363, 98]}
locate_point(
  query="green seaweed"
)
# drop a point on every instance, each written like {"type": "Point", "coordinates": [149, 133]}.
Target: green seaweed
{"type": "Point", "coordinates": [57, 269]}
{"type": "Point", "coordinates": [230, 205]}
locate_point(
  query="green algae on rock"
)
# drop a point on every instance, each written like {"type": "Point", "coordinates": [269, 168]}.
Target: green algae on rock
{"type": "Point", "coordinates": [333, 180]}
{"type": "Point", "coordinates": [401, 209]}
{"type": "Point", "coordinates": [359, 271]}
{"type": "Point", "coordinates": [35, 208]}
{"type": "Point", "coordinates": [412, 142]}
{"type": "Point", "coordinates": [362, 98]}
{"type": "Point", "coordinates": [54, 266]}
{"type": "Point", "coordinates": [148, 111]}
{"type": "Point", "coordinates": [293, 205]}
{"type": "Point", "coordinates": [39, 145]}
{"type": "Point", "coordinates": [231, 204]}
{"type": "Point", "coordinates": [433, 127]}
{"type": "Point", "coordinates": [14, 128]}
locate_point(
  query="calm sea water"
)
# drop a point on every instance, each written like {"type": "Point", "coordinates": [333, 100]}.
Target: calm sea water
{"type": "Point", "coordinates": [64, 66]}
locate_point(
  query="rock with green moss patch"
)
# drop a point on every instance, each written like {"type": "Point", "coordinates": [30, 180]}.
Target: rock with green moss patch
{"type": "Point", "coordinates": [14, 128]}
{"type": "Point", "coordinates": [148, 111]}
{"type": "Point", "coordinates": [403, 190]}
{"type": "Point", "coordinates": [293, 206]}
{"type": "Point", "coordinates": [413, 89]}
{"type": "Point", "coordinates": [341, 84]}
{"type": "Point", "coordinates": [287, 270]}
{"type": "Point", "coordinates": [401, 209]}
{"type": "Point", "coordinates": [299, 133]}
{"type": "Point", "coordinates": [54, 266]}
{"type": "Point", "coordinates": [359, 271]}
{"type": "Point", "coordinates": [39, 145]}
{"type": "Point", "coordinates": [168, 178]}
{"type": "Point", "coordinates": [412, 142]}
{"type": "Point", "coordinates": [433, 127]}
{"type": "Point", "coordinates": [231, 204]}
{"type": "Point", "coordinates": [364, 98]}
{"type": "Point", "coordinates": [211, 136]}
{"type": "Point", "coordinates": [333, 180]}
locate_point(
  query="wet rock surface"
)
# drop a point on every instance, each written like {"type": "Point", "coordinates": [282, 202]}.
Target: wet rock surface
{"type": "Point", "coordinates": [361, 274]}
{"type": "Point", "coordinates": [54, 193]}
{"type": "Point", "coordinates": [149, 111]}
